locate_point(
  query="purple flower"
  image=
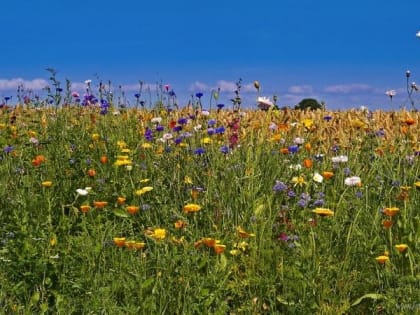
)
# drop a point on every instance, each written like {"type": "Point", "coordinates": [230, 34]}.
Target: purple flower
{"type": "Point", "coordinates": [279, 186]}
{"type": "Point", "coordinates": [211, 122]}
{"type": "Point", "coordinates": [347, 171]}
{"type": "Point", "coordinates": [182, 121]}
{"type": "Point", "coordinates": [8, 149]}
{"type": "Point", "coordinates": [210, 131]}
{"type": "Point", "coordinates": [159, 128]}
{"type": "Point", "coordinates": [327, 118]}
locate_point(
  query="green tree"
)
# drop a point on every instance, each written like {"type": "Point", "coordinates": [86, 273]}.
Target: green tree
{"type": "Point", "coordinates": [308, 103]}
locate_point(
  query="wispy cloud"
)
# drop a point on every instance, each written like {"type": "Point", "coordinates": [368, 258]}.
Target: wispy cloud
{"type": "Point", "coordinates": [13, 84]}
{"type": "Point", "coordinates": [349, 88]}
{"type": "Point", "coordinates": [223, 85]}
{"type": "Point", "coordinates": [301, 89]}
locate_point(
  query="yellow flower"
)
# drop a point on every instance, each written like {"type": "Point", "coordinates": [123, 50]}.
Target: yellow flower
{"type": "Point", "coordinates": [307, 123]}
{"type": "Point", "coordinates": [188, 180]}
{"type": "Point", "coordinates": [95, 136]}
{"type": "Point", "coordinates": [46, 183]}
{"type": "Point", "coordinates": [298, 180]}
{"type": "Point", "coordinates": [242, 233]}
{"type": "Point", "coordinates": [53, 241]}
{"type": "Point", "coordinates": [206, 140]}
{"type": "Point", "coordinates": [146, 145]}
{"type": "Point", "coordinates": [235, 252]}
{"type": "Point", "coordinates": [382, 259]}
{"type": "Point", "coordinates": [324, 212]}
{"type": "Point", "coordinates": [158, 234]}
{"type": "Point", "coordinates": [401, 247]}
{"type": "Point", "coordinates": [191, 207]}
{"type": "Point", "coordinates": [417, 184]}
{"type": "Point", "coordinates": [146, 180]}
{"type": "Point", "coordinates": [143, 190]}
{"type": "Point", "coordinates": [178, 241]}
{"type": "Point", "coordinates": [125, 150]}
{"type": "Point", "coordinates": [121, 144]}
{"type": "Point", "coordinates": [134, 245]}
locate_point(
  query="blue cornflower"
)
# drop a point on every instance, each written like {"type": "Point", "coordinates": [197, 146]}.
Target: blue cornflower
{"type": "Point", "coordinates": [210, 131]}
{"type": "Point", "coordinates": [159, 128]}
{"type": "Point", "coordinates": [148, 134]}
{"type": "Point", "coordinates": [327, 118]}
{"type": "Point", "coordinates": [199, 95]}
{"type": "Point", "coordinates": [199, 151]}
{"type": "Point", "coordinates": [293, 148]}
{"type": "Point", "coordinates": [182, 121]}
{"type": "Point", "coordinates": [224, 149]}
{"type": "Point", "coordinates": [220, 106]}
{"type": "Point", "coordinates": [8, 149]}
{"type": "Point", "coordinates": [220, 130]}
{"type": "Point", "coordinates": [177, 128]}
{"type": "Point", "coordinates": [137, 95]}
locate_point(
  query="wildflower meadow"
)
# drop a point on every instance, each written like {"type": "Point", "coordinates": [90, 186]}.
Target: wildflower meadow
{"type": "Point", "coordinates": [162, 209]}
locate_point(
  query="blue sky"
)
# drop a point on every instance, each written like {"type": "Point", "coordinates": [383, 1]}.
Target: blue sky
{"type": "Point", "coordinates": [346, 53]}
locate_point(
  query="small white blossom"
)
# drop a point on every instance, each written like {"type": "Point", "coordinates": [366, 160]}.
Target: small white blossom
{"type": "Point", "coordinates": [82, 192]}
{"type": "Point", "coordinates": [340, 159]}
{"type": "Point", "coordinates": [352, 181]}
{"type": "Point", "coordinates": [156, 120]}
{"type": "Point", "coordinates": [298, 140]}
{"type": "Point", "coordinates": [318, 178]}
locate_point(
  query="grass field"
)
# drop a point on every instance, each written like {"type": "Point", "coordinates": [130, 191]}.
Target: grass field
{"type": "Point", "coordinates": [146, 211]}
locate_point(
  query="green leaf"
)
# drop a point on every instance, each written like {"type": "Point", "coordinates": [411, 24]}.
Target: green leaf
{"type": "Point", "coordinates": [146, 284]}
{"type": "Point", "coordinates": [283, 301]}
{"type": "Point", "coordinates": [373, 296]}
{"type": "Point", "coordinates": [121, 213]}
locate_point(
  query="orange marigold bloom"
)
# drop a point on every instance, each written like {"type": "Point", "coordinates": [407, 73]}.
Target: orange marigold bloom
{"type": "Point", "coordinates": [401, 247]}
{"type": "Point", "coordinates": [103, 159]}
{"type": "Point", "coordinates": [119, 241]}
{"type": "Point", "coordinates": [409, 121]}
{"type": "Point", "coordinates": [307, 163]}
{"type": "Point", "coordinates": [387, 224]}
{"type": "Point", "coordinates": [132, 209]}
{"type": "Point", "coordinates": [284, 150]}
{"type": "Point", "coordinates": [391, 211]}
{"type": "Point", "coordinates": [180, 224]}
{"type": "Point", "coordinates": [121, 200]}
{"type": "Point", "coordinates": [100, 204]}
{"type": "Point", "coordinates": [327, 174]}
{"type": "Point", "coordinates": [38, 160]}
{"type": "Point", "coordinates": [382, 259]}
{"type": "Point", "coordinates": [219, 248]}
{"type": "Point", "coordinates": [91, 172]}
{"type": "Point", "coordinates": [84, 208]}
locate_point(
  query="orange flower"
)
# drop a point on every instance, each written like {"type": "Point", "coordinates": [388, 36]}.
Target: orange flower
{"type": "Point", "coordinates": [103, 159]}
{"type": "Point", "coordinates": [180, 224]}
{"type": "Point", "coordinates": [194, 193]}
{"type": "Point", "coordinates": [409, 121]}
{"type": "Point", "coordinates": [307, 163]}
{"type": "Point", "coordinates": [242, 233]}
{"type": "Point", "coordinates": [121, 200]}
{"type": "Point", "coordinates": [219, 248]}
{"type": "Point", "coordinates": [100, 204]}
{"type": "Point", "coordinates": [387, 224]}
{"type": "Point", "coordinates": [38, 160]}
{"type": "Point", "coordinates": [401, 247]}
{"type": "Point", "coordinates": [119, 241]}
{"type": "Point", "coordinates": [284, 150]}
{"type": "Point", "coordinates": [308, 146]}
{"type": "Point", "coordinates": [382, 259]}
{"type": "Point", "coordinates": [134, 245]}
{"type": "Point", "coordinates": [327, 174]}
{"type": "Point", "coordinates": [391, 211]}
{"type": "Point", "coordinates": [91, 172]}
{"type": "Point", "coordinates": [132, 209]}
{"type": "Point", "coordinates": [84, 208]}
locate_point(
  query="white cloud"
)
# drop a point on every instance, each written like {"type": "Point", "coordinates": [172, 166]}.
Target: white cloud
{"type": "Point", "coordinates": [348, 88]}
{"type": "Point", "coordinates": [198, 87]}
{"type": "Point", "coordinates": [13, 84]}
{"type": "Point", "coordinates": [300, 89]}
